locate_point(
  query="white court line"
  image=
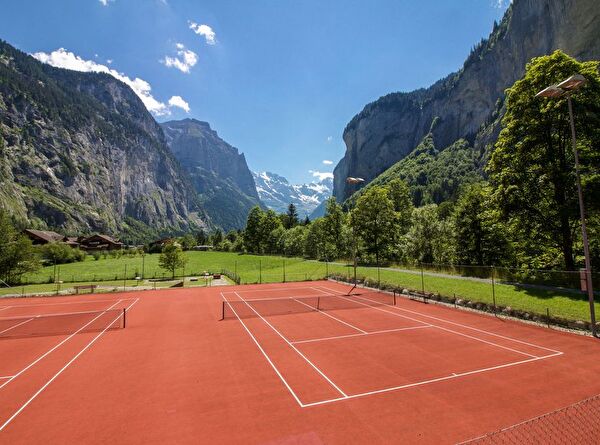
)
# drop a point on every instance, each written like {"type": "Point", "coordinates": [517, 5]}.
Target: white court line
{"type": "Point", "coordinates": [273, 289]}
{"type": "Point", "coordinates": [55, 347]}
{"type": "Point", "coordinates": [5, 377]}
{"type": "Point", "coordinates": [263, 352]}
{"type": "Point", "coordinates": [295, 349]}
{"type": "Point", "coordinates": [38, 392]}
{"type": "Point", "coordinates": [465, 326]}
{"type": "Point", "coordinates": [17, 325]}
{"type": "Point", "coordinates": [68, 302]}
{"type": "Point", "coordinates": [55, 314]}
{"type": "Point", "coordinates": [360, 335]}
{"type": "Point", "coordinates": [5, 307]}
{"type": "Point", "coordinates": [330, 316]}
{"type": "Point", "coordinates": [446, 329]}
{"type": "Point", "coordinates": [287, 297]}
{"type": "Point", "coordinates": [426, 382]}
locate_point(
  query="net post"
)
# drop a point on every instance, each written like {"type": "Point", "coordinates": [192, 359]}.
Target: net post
{"type": "Point", "coordinates": [124, 318]}
{"type": "Point", "coordinates": [222, 311]}
{"type": "Point", "coordinates": [318, 303]}
{"type": "Point", "coordinates": [394, 297]}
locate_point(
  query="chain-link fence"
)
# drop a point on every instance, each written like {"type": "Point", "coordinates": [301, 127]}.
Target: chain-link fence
{"type": "Point", "coordinates": [548, 297]}
{"type": "Point", "coordinates": [577, 424]}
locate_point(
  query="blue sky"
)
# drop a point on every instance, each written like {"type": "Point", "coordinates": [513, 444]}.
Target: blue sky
{"type": "Point", "coordinates": [278, 79]}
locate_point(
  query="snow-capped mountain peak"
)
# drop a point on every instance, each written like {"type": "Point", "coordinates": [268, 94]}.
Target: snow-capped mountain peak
{"type": "Point", "coordinates": [277, 193]}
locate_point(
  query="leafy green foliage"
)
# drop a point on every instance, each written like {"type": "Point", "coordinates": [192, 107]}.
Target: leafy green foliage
{"type": "Point", "coordinates": [172, 258]}
{"type": "Point", "coordinates": [375, 221]}
{"type": "Point", "coordinates": [61, 253]}
{"type": "Point", "coordinates": [481, 239]}
{"type": "Point", "coordinates": [432, 176]}
{"type": "Point", "coordinates": [532, 168]}
{"type": "Point", "coordinates": [430, 238]}
{"type": "Point", "coordinates": [17, 255]}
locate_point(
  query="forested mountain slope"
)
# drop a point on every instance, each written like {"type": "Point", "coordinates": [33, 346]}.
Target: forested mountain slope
{"type": "Point", "coordinates": [79, 152]}
{"type": "Point", "coordinates": [466, 104]}
{"type": "Point", "coordinates": [219, 173]}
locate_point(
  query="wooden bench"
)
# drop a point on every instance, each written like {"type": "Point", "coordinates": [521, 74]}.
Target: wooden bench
{"type": "Point", "coordinates": [217, 276]}
{"type": "Point", "coordinates": [91, 287]}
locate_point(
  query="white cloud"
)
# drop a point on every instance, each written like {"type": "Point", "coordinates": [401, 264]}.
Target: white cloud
{"type": "Point", "coordinates": [327, 162]}
{"type": "Point", "coordinates": [206, 31]}
{"type": "Point", "coordinates": [105, 2]}
{"type": "Point", "coordinates": [62, 58]}
{"type": "Point", "coordinates": [329, 138]}
{"type": "Point", "coordinates": [186, 60]}
{"type": "Point", "coordinates": [177, 101]}
{"type": "Point", "coordinates": [500, 3]}
{"type": "Point", "coordinates": [321, 175]}
{"type": "Point", "coordinates": [109, 61]}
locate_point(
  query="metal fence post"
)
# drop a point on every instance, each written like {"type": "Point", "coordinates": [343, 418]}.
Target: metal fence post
{"type": "Point", "coordinates": [422, 281]}
{"type": "Point", "coordinates": [259, 271]}
{"type": "Point", "coordinates": [125, 278]}
{"type": "Point", "coordinates": [494, 289]}
{"type": "Point", "coordinates": [284, 271]}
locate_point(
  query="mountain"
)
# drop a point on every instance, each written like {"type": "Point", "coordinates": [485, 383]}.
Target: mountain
{"type": "Point", "coordinates": [466, 105]}
{"type": "Point", "coordinates": [277, 193]}
{"type": "Point", "coordinates": [219, 173]}
{"type": "Point", "coordinates": [79, 152]}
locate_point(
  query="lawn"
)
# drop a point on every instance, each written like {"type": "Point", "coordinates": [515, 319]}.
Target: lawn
{"type": "Point", "coordinates": [271, 269]}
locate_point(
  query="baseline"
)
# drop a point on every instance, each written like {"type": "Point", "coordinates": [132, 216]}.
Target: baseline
{"type": "Point", "coordinates": [57, 345]}
{"type": "Point", "coordinates": [86, 347]}
{"type": "Point", "coordinates": [460, 333]}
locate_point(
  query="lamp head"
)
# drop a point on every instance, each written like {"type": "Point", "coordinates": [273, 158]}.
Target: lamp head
{"type": "Point", "coordinates": [551, 91]}
{"type": "Point", "coordinates": [573, 83]}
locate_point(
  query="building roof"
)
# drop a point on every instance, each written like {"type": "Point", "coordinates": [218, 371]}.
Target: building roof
{"type": "Point", "coordinates": [45, 235]}
{"type": "Point", "coordinates": [105, 238]}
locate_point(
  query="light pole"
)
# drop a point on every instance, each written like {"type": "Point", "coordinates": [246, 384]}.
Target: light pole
{"type": "Point", "coordinates": [354, 181]}
{"type": "Point", "coordinates": [566, 89]}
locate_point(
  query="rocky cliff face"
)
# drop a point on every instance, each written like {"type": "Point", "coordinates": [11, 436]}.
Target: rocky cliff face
{"type": "Point", "coordinates": [456, 107]}
{"type": "Point", "coordinates": [219, 173]}
{"type": "Point", "coordinates": [80, 152]}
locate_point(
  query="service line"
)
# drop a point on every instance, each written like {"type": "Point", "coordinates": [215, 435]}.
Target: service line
{"type": "Point", "coordinates": [39, 391]}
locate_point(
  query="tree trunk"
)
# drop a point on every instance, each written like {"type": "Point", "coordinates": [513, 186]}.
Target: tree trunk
{"type": "Point", "coordinates": [567, 242]}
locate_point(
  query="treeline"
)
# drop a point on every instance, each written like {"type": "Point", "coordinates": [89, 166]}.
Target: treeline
{"type": "Point", "coordinates": [526, 214]}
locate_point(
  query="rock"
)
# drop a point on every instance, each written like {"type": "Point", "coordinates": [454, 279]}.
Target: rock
{"type": "Point", "coordinates": [218, 172]}
{"type": "Point", "coordinates": [85, 154]}
{"type": "Point", "coordinates": [455, 107]}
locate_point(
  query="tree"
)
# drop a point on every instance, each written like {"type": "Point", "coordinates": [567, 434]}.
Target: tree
{"type": "Point", "coordinates": [270, 241]}
{"type": "Point", "coordinates": [315, 245]}
{"type": "Point", "coordinates": [216, 238]}
{"type": "Point", "coordinates": [188, 241]}
{"type": "Point", "coordinates": [532, 167]}
{"type": "Point", "coordinates": [293, 241]}
{"type": "Point", "coordinates": [333, 223]}
{"type": "Point", "coordinates": [291, 217]}
{"type": "Point", "coordinates": [17, 255]}
{"type": "Point", "coordinates": [430, 238]}
{"type": "Point", "coordinates": [201, 238]}
{"type": "Point", "coordinates": [172, 258]}
{"type": "Point", "coordinates": [481, 239]}
{"type": "Point", "coordinates": [252, 234]}
{"type": "Point", "coordinates": [400, 195]}
{"type": "Point", "coordinates": [374, 221]}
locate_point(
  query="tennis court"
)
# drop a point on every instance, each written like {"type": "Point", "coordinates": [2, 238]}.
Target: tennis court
{"type": "Point", "coordinates": [276, 364]}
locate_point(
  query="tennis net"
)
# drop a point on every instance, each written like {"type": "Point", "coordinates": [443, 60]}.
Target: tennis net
{"type": "Point", "coordinates": [61, 324]}
{"type": "Point", "coordinates": [297, 305]}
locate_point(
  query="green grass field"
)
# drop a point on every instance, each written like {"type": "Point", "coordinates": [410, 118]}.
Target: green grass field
{"type": "Point", "coordinates": [267, 269]}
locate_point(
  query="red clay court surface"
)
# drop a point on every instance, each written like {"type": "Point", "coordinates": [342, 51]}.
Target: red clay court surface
{"type": "Point", "coordinates": [368, 373]}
